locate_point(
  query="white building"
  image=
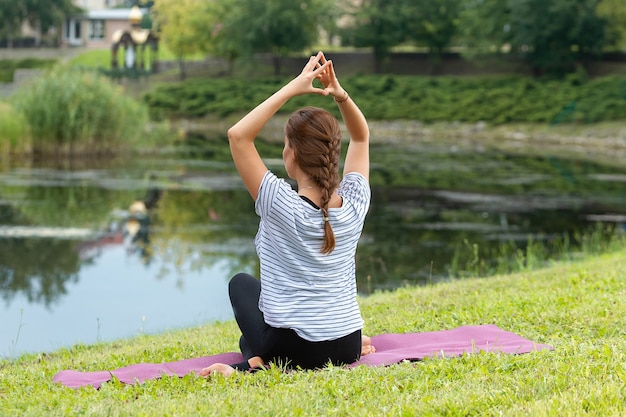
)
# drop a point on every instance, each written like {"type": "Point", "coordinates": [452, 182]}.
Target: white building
{"type": "Point", "coordinates": [97, 4]}
{"type": "Point", "coordinates": [95, 28]}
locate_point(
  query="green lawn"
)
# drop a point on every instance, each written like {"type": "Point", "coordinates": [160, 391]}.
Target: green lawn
{"type": "Point", "coordinates": [101, 58]}
{"type": "Point", "coordinates": [578, 307]}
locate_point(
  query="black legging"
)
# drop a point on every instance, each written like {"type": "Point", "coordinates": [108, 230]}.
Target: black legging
{"type": "Point", "coordinates": [282, 346]}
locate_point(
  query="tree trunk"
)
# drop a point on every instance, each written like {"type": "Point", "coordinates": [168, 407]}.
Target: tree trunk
{"type": "Point", "coordinates": [379, 56]}
{"type": "Point", "coordinates": [231, 67]}
{"type": "Point", "coordinates": [276, 62]}
{"type": "Point", "coordinates": [38, 35]}
{"type": "Point", "coordinates": [9, 35]}
{"type": "Point", "coordinates": [435, 58]}
{"type": "Point", "coordinates": [181, 66]}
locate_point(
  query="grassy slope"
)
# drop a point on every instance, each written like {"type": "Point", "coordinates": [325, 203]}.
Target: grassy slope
{"type": "Point", "coordinates": [579, 308]}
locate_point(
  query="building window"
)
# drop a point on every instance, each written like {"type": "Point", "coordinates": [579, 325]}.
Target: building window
{"type": "Point", "coordinates": [96, 29]}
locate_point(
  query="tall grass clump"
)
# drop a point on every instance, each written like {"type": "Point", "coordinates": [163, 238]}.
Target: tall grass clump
{"type": "Point", "coordinates": [13, 129]}
{"type": "Point", "coordinates": [69, 110]}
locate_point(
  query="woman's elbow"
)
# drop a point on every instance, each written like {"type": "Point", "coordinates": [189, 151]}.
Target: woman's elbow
{"type": "Point", "coordinates": [233, 134]}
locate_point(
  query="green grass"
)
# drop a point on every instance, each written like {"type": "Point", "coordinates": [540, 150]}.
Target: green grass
{"type": "Point", "coordinates": [12, 129]}
{"type": "Point", "coordinates": [101, 58]}
{"type": "Point", "coordinates": [578, 307]}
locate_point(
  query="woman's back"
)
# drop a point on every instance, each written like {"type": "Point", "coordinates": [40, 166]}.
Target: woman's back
{"type": "Point", "coordinates": [312, 292]}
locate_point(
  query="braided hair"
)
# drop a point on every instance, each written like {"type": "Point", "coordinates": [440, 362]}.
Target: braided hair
{"type": "Point", "coordinates": [315, 136]}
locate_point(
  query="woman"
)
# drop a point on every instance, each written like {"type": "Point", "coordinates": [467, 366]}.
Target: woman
{"type": "Point", "coordinates": [303, 312]}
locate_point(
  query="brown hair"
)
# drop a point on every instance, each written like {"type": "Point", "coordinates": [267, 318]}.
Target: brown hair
{"type": "Point", "coordinates": [315, 136]}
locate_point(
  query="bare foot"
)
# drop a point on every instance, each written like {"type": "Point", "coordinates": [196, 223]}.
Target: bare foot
{"type": "Point", "coordinates": [366, 346]}
{"type": "Point", "coordinates": [227, 370]}
{"type": "Point", "coordinates": [256, 362]}
{"type": "Point", "coordinates": [216, 368]}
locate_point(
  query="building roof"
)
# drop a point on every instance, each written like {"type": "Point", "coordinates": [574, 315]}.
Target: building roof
{"type": "Point", "coordinates": [111, 14]}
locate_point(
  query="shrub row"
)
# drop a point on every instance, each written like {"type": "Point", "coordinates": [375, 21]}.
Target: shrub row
{"type": "Point", "coordinates": [8, 66]}
{"type": "Point", "coordinates": [497, 100]}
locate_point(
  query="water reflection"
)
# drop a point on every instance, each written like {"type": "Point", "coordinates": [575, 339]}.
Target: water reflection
{"type": "Point", "coordinates": [109, 250]}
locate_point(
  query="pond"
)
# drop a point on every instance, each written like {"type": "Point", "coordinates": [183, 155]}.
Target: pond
{"type": "Point", "coordinates": [94, 250]}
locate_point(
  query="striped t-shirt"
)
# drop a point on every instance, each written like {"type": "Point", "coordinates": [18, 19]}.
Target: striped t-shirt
{"type": "Point", "coordinates": [301, 288]}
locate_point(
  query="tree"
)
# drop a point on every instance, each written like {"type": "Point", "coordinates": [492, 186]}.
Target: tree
{"type": "Point", "coordinates": [43, 15]}
{"type": "Point", "coordinates": [379, 24]}
{"type": "Point", "coordinates": [180, 24]}
{"type": "Point", "coordinates": [222, 40]}
{"type": "Point", "coordinates": [485, 27]}
{"type": "Point", "coordinates": [433, 23]}
{"type": "Point", "coordinates": [278, 27]}
{"type": "Point", "coordinates": [11, 15]}
{"type": "Point", "coordinates": [614, 11]}
{"type": "Point", "coordinates": [552, 36]}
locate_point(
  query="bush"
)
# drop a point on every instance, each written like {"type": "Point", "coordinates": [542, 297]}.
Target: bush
{"type": "Point", "coordinates": [496, 100]}
{"type": "Point", "coordinates": [8, 66]}
{"type": "Point", "coordinates": [72, 110]}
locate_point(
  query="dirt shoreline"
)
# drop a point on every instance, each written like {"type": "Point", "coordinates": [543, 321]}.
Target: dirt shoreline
{"type": "Point", "coordinates": [603, 142]}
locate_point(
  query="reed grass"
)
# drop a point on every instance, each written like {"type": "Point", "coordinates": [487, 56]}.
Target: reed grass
{"type": "Point", "coordinates": [69, 110]}
{"type": "Point", "coordinates": [13, 130]}
{"type": "Point", "coordinates": [470, 260]}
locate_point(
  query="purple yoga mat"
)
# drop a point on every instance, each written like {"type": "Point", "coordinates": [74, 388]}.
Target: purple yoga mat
{"type": "Point", "coordinates": [390, 349]}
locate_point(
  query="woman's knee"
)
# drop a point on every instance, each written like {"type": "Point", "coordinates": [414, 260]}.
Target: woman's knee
{"type": "Point", "coordinates": [242, 281]}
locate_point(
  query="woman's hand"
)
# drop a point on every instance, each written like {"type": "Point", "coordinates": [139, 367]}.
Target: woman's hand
{"type": "Point", "coordinates": [328, 78]}
{"type": "Point", "coordinates": [303, 83]}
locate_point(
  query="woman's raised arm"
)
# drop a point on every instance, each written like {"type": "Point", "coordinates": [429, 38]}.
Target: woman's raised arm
{"type": "Point", "coordinates": [357, 157]}
{"type": "Point", "coordinates": [241, 136]}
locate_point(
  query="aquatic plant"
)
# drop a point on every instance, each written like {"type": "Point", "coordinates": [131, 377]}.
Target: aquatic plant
{"type": "Point", "coordinates": [12, 129]}
{"type": "Point", "coordinates": [470, 260]}
{"type": "Point", "coordinates": [69, 110]}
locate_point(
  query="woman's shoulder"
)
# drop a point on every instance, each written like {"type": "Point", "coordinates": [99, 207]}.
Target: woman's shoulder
{"type": "Point", "coordinates": [354, 181]}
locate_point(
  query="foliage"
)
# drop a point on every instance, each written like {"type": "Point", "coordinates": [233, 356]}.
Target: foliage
{"type": "Point", "coordinates": [558, 34]}
{"type": "Point", "coordinates": [496, 100]}
{"type": "Point", "coordinates": [552, 36]}
{"type": "Point", "coordinates": [10, 18]}
{"type": "Point", "coordinates": [8, 66]}
{"type": "Point", "coordinates": [577, 307]}
{"type": "Point", "coordinates": [614, 12]}
{"type": "Point", "coordinates": [433, 23]}
{"type": "Point", "coordinates": [44, 14]}
{"type": "Point", "coordinates": [40, 14]}
{"type": "Point", "coordinates": [379, 24]}
{"type": "Point", "coordinates": [12, 128]}
{"type": "Point", "coordinates": [73, 110]}
{"type": "Point", "coordinates": [484, 27]}
{"type": "Point", "coordinates": [225, 37]}
{"type": "Point", "coordinates": [184, 26]}
{"type": "Point", "coordinates": [278, 27]}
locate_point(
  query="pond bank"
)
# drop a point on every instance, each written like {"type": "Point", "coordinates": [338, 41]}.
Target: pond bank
{"type": "Point", "coordinates": [601, 142]}
{"type": "Point", "coordinates": [577, 307]}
